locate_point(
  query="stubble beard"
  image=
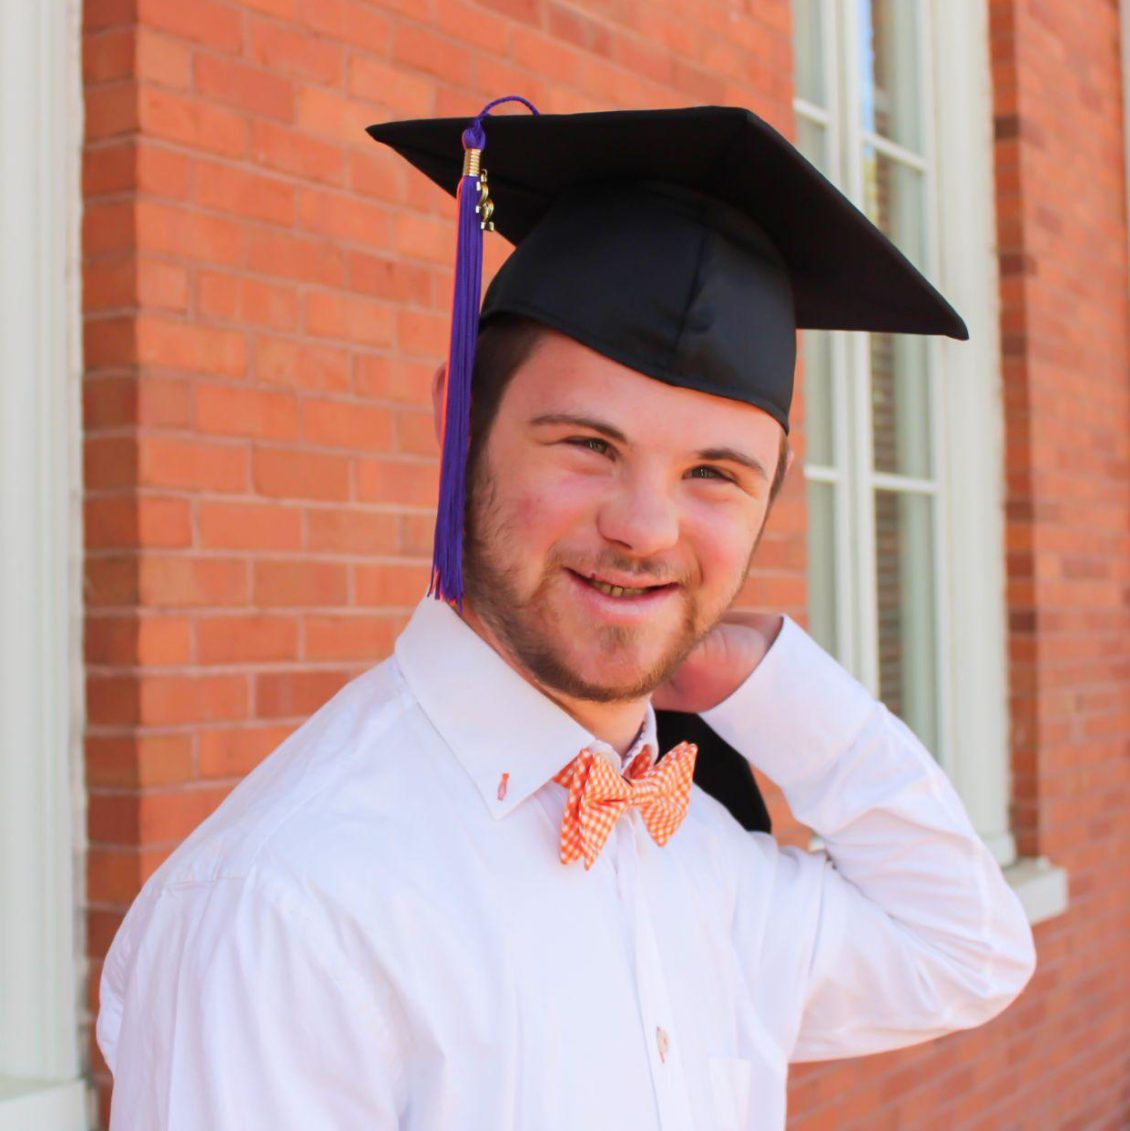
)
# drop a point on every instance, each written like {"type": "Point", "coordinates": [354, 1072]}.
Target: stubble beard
{"type": "Point", "coordinates": [530, 631]}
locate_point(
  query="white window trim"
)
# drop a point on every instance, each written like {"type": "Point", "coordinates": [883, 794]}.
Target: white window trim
{"type": "Point", "coordinates": [41, 804]}
{"type": "Point", "coordinates": [967, 392]}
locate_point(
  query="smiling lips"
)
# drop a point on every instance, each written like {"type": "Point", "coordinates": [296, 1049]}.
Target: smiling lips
{"type": "Point", "coordinates": [611, 590]}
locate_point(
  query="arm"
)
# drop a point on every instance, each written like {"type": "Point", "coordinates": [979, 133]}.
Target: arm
{"type": "Point", "coordinates": [905, 929]}
{"type": "Point", "coordinates": [239, 1012]}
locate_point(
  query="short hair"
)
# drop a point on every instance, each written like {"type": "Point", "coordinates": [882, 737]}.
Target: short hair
{"type": "Point", "coordinates": [504, 344]}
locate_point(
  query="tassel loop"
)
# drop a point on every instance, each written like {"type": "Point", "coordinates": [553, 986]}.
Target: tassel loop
{"type": "Point", "coordinates": [475, 209]}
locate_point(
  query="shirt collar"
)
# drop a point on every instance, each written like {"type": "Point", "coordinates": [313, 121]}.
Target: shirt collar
{"type": "Point", "coordinates": [509, 737]}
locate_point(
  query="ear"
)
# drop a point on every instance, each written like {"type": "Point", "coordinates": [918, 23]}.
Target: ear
{"type": "Point", "coordinates": [439, 387]}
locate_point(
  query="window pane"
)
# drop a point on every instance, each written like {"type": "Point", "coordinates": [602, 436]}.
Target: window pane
{"type": "Point", "coordinates": [819, 409]}
{"type": "Point", "coordinates": [808, 50]}
{"type": "Point", "coordinates": [888, 34]}
{"type": "Point", "coordinates": [822, 605]}
{"type": "Point", "coordinates": [895, 201]}
{"type": "Point", "coordinates": [900, 405]}
{"type": "Point", "coordinates": [812, 141]}
{"type": "Point", "coordinates": [904, 576]}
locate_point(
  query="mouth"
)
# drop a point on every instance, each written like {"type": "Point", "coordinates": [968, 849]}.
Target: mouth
{"type": "Point", "coordinates": [622, 592]}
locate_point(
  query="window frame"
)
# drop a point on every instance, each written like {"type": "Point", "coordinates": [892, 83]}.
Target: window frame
{"type": "Point", "coordinates": [41, 712]}
{"type": "Point", "coordinates": [965, 386]}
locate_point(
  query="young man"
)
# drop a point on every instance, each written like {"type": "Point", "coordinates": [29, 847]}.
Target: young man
{"type": "Point", "coordinates": [471, 892]}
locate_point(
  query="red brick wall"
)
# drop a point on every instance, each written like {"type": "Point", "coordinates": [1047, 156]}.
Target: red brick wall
{"type": "Point", "coordinates": [265, 300]}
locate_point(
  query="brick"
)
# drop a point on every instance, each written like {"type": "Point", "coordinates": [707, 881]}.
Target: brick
{"type": "Point", "coordinates": [229, 410]}
{"type": "Point", "coordinates": [227, 189]}
{"type": "Point", "coordinates": [381, 174]}
{"type": "Point", "coordinates": [108, 56]}
{"type": "Point", "coordinates": [343, 317]}
{"type": "Point", "coordinates": [274, 146]}
{"type": "Point", "coordinates": [162, 60]}
{"type": "Point", "coordinates": [343, 218]}
{"type": "Point", "coordinates": [246, 639]}
{"type": "Point", "coordinates": [161, 286]}
{"type": "Point", "coordinates": [206, 22]}
{"type": "Point", "coordinates": [162, 228]}
{"type": "Point", "coordinates": [285, 695]}
{"type": "Point", "coordinates": [235, 751]}
{"type": "Point", "coordinates": [178, 699]}
{"type": "Point", "coordinates": [192, 122]}
{"type": "Point", "coordinates": [298, 582]}
{"type": "Point", "coordinates": [185, 345]}
{"type": "Point", "coordinates": [351, 22]}
{"type": "Point", "coordinates": [393, 585]}
{"type": "Point", "coordinates": [120, 520]}
{"type": "Point", "coordinates": [268, 305]}
{"type": "Point", "coordinates": [300, 475]}
{"type": "Point", "coordinates": [112, 700]}
{"type": "Point", "coordinates": [250, 89]}
{"type": "Point", "coordinates": [296, 257]}
{"type": "Point", "coordinates": [327, 114]}
{"type": "Point", "coordinates": [249, 526]}
{"type": "Point", "coordinates": [111, 110]}
{"type": "Point", "coordinates": [422, 334]}
{"type": "Point", "coordinates": [165, 461]}
{"type": "Point", "coordinates": [108, 227]}
{"type": "Point", "coordinates": [417, 47]}
{"type": "Point", "coordinates": [416, 535]}
{"type": "Point", "coordinates": [415, 433]}
{"type": "Point", "coordinates": [109, 461]}
{"type": "Point", "coordinates": [293, 52]}
{"type": "Point", "coordinates": [187, 582]}
{"type": "Point", "coordinates": [107, 168]}
{"type": "Point", "coordinates": [350, 637]}
{"type": "Point", "coordinates": [389, 278]}
{"type": "Point", "coordinates": [472, 25]}
{"type": "Point", "coordinates": [108, 283]}
{"type": "Point", "coordinates": [407, 482]}
{"type": "Point", "coordinates": [110, 582]}
{"type": "Point", "coordinates": [404, 93]}
{"type": "Point", "coordinates": [100, 14]}
{"type": "Point", "coordinates": [391, 379]}
{"type": "Point", "coordinates": [283, 362]}
{"type": "Point", "coordinates": [130, 640]}
{"type": "Point", "coordinates": [352, 531]}
{"type": "Point", "coordinates": [346, 424]}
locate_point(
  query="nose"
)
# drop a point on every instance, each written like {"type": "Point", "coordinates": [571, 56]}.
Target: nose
{"type": "Point", "coordinates": [640, 516]}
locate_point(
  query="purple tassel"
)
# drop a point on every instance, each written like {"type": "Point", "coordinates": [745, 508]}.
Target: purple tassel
{"type": "Point", "coordinates": [475, 209]}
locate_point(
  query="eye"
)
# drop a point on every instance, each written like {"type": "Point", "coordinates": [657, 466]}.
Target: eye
{"type": "Point", "coordinates": [711, 473]}
{"type": "Point", "coordinates": [592, 443]}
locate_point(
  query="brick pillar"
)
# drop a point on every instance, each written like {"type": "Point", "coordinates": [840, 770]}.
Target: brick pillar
{"type": "Point", "coordinates": [265, 302]}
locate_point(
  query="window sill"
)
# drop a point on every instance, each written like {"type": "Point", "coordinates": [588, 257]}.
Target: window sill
{"type": "Point", "coordinates": [43, 1104]}
{"type": "Point", "coordinates": [1041, 886]}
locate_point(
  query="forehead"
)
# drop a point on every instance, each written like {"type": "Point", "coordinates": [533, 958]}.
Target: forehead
{"type": "Point", "coordinates": [561, 375]}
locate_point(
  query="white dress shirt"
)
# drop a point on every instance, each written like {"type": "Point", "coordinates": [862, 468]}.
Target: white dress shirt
{"type": "Point", "coordinates": [375, 931]}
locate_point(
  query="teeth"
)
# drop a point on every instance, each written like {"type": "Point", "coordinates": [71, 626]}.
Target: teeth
{"type": "Point", "coordinates": [615, 590]}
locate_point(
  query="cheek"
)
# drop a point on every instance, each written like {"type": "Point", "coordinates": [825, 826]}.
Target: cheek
{"type": "Point", "coordinates": [723, 541]}
{"type": "Point", "coordinates": [547, 507]}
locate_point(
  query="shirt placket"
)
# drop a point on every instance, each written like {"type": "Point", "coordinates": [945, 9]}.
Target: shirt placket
{"type": "Point", "coordinates": [663, 1045]}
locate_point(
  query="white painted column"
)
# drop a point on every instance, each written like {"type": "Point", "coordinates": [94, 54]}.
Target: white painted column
{"type": "Point", "coordinates": [40, 556]}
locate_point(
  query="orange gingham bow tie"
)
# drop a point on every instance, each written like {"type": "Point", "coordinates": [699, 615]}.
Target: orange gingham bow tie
{"type": "Point", "coordinates": [598, 795]}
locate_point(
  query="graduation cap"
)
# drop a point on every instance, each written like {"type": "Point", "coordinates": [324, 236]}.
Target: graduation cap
{"type": "Point", "coordinates": [687, 244]}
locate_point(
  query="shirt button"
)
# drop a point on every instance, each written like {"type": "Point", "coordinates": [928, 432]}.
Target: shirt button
{"type": "Point", "coordinates": [661, 1043]}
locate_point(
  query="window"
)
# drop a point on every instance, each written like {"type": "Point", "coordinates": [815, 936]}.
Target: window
{"type": "Point", "coordinates": [904, 458]}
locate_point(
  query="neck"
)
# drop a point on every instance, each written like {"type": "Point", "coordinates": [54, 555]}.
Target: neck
{"type": "Point", "coordinates": [618, 723]}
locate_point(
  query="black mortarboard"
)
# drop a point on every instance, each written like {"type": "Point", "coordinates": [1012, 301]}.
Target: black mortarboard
{"type": "Point", "coordinates": [687, 244]}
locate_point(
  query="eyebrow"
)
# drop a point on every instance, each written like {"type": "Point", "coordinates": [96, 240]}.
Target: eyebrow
{"type": "Point", "coordinates": [711, 455]}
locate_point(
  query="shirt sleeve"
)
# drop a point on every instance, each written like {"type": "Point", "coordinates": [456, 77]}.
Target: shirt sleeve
{"type": "Point", "coordinates": [904, 928]}
{"type": "Point", "coordinates": [240, 1012]}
